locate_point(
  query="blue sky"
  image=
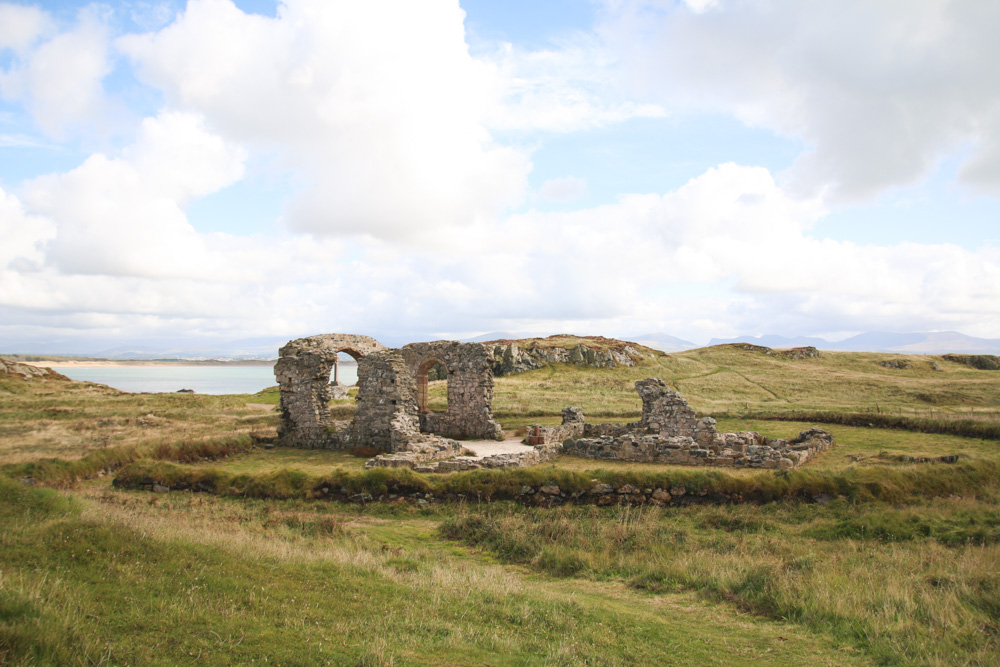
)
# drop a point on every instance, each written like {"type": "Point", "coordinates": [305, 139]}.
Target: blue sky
{"type": "Point", "coordinates": [210, 170]}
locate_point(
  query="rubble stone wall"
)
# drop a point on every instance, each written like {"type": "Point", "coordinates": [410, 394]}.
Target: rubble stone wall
{"type": "Point", "coordinates": [670, 432]}
{"type": "Point", "coordinates": [740, 450]}
{"type": "Point", "coordinates": [666, 413]}
{"type": "Point", "coordinates": [303, 374]}
{"type": "Point", "coordinates": [572, 426]}
{"type": "Point", "coordinates": [470, 389]}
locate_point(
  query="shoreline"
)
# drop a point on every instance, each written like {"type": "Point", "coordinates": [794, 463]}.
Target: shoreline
{"type": "Point", "coordinates": [158, 362]}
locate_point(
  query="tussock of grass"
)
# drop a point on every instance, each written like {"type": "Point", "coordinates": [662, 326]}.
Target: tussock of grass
{"type": "Point", "coordinates": [58, 472]}
{"type": "Point", "coordinates": [911, 586]}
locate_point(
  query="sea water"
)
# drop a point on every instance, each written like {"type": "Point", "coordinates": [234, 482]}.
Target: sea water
{"type": "Point", "coordinates": [201, 379]}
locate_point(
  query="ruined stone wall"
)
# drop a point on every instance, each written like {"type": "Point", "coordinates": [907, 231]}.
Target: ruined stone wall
{"type": "Point", "coordinates": [666, 413]}
{"type": "Point", "coordinates": [572, 426]}
{"type": "Point", "coordinates": [470, 389]}
{"type": "Point", "coordinates": [670, 432]}
{"type": "Point", "coordinates": [387, 405]}
{"type": "Point", "coordinates": [303, 374]}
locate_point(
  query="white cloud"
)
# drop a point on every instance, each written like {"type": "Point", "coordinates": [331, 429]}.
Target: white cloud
{"type": "Point", "coordinates": [376, 106]}
{"type": "Point", "coordinates": [878, 92]}
{"type": "Point", "coordinates": [59, 79]}
{"type": "Point", "coordinates": [124, 216]}
{"type": "Point", "coordinates": [21, 26]}
{"type": "Point", "coordinates": [24, 236]}
{"type": "Point", "coordinates": [381, 114]}
{"type": "Point", "coordinates": [565, 89]}
{"type": "Point", "coordinates": [700, 6]}
{"type": "Point", "coordinates": [726, 253]}
{"type": "Point", "coordinates": [563, 189]}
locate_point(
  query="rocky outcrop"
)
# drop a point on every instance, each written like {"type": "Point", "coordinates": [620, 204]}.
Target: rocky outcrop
{"type": "Point", "coordinates": [27, 371]}
{"type": "Point", "coordinates": [510, 358]}
{"type": "Point", "coordinates": [518, 356]}
{"type": "Point", "coordinates": [807, 352]}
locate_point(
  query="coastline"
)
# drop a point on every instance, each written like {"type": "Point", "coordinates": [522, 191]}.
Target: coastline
{"type": "Point", "coordinates": [140, 362]}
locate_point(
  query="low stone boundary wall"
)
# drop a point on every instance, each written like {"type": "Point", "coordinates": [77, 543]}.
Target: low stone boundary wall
{"type": "Point", "coordinates": [627, 494]}
{"type": "Point", "coordinates": [546, 495]}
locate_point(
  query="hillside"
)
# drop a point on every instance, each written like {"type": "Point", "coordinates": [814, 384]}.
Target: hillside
{"type": "Point", "coordinates": [738, 378]}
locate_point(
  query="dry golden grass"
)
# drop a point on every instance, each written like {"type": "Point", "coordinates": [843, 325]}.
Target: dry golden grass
{"type": "Point", "coordinates": [68, 420]}
{"type": "Point", "coordinates": [727, 379]}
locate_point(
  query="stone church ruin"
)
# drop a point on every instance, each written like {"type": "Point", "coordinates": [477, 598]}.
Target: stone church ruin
{"type": "Point", "coordinates": [393, 414]}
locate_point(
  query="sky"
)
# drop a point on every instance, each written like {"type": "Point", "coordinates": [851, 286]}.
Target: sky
{"type": "Point", "coordinates": [211, 170]}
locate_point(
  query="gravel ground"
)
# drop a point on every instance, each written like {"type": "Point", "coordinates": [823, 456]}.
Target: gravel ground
{"type": "Point", "coordinates": [490, 447]}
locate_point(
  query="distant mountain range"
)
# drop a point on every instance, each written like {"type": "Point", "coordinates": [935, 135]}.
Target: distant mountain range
{"type": "Point", "coordinates": [939, 342]}
{"type": "Point", "coordinates": [934, 342]}
{"type": "Point", "coordinates": [266, 348]}
{"type": "Point", "coordinates": [663, 342]}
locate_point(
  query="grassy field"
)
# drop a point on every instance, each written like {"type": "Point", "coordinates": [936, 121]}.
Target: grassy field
{"type": "Point", "coordinates": [731, 380]}
{"type": "Point", "coordinates": [899, 567]}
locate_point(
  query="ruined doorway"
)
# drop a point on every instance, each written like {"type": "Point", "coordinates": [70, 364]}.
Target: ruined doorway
{"type": "Point", "coordinates": [430, 376]}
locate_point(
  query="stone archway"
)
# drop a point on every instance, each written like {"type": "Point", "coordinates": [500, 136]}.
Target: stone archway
{"type": "Point", "coordinates": [470, 389]}
{"type": "Point", "coordinates": [303, 373]}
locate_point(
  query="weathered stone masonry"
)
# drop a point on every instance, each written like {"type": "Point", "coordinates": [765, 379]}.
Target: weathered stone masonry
{"type": "Point", "coordinates": [470, 389]}
{"type": "Point", "coordinates": [391, 413]}
{"type": "Point", "coordinates": [303, 374]}
{"type": "Point", "coordinates": [670, 432]}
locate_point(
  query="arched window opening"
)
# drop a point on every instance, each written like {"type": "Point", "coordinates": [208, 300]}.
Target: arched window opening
{"type": "Point", "coordinates": [345, 369]}
{"type": "Point", "coordinates": [344, 375]}
{"type": "Point", "coordinates": [432, 387]}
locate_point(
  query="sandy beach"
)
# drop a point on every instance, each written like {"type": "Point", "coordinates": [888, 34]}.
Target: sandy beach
{"type": "Point", "coordinates": [84, 363]}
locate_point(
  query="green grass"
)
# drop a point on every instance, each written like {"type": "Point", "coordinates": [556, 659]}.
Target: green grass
{"type": "Point", "coordinates": [728, 379]}
{"type": "Point", "coordinates": [974, 425]}
{"type": "Point", "coordinates": [898, 568]}
{"type": "Point", "coordinates": [71, 420]}
{"type": "Point", "coordinates": [917, 585]}
{"type": "Point", "coordinates": [113, 579]}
